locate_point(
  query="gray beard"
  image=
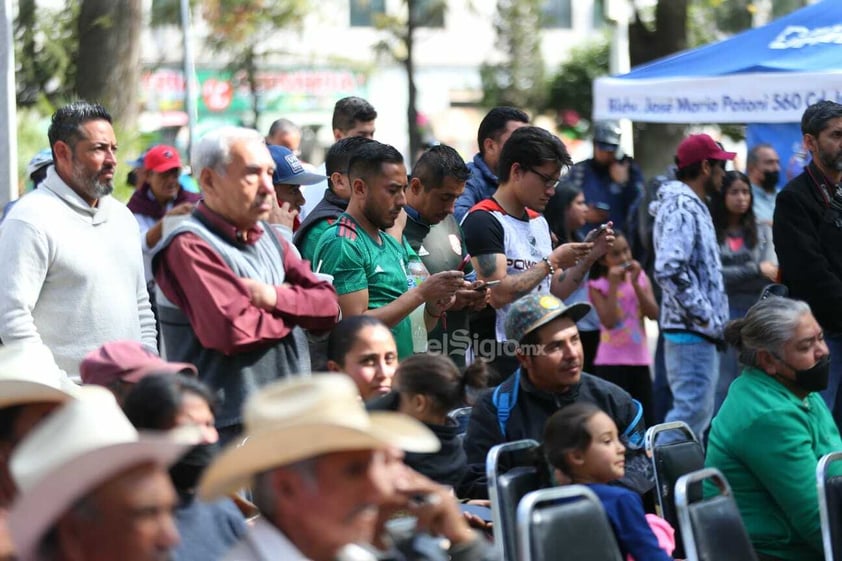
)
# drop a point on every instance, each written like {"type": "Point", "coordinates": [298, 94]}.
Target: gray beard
{"type": "Point", "coordinates": [91, 187]}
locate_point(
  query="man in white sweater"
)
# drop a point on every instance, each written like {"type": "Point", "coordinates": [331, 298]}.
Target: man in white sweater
{"type": "Point", "coordinates": [72, 270]}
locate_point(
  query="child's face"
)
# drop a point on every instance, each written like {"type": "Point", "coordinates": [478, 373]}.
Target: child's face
{"type": "Point", "coordinates": [619, 253]}
{"type": "Point", "coordinates": [577, 212]}
{"type": "Point", "coordinates": [605, 459]}
{"type": "Point", "coordinates": [738, 198]}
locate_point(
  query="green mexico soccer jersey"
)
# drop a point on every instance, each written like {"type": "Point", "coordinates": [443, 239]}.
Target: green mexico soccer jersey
{"type": "Point", "coordinates": [357, 262]}
{"type": "Point", "coordinates": [311, 241]}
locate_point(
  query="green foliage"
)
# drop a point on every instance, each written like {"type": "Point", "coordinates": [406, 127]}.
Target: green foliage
{"type": "Point", "coordinates": [238, 26]}
{"type": "Point", "coordinates": [729, 17]}
{"type": "Point", "coordinates": [519, 79]}
{"type": "Point", "coordinates": [167, 12]}
{"type": "Point", "coordinates": [571, 88]}
{"type": "Point", "coordinates": [46, 45]}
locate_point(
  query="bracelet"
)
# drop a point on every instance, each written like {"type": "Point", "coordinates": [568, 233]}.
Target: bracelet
{"type": "Point", "coordinates": [549, 265]}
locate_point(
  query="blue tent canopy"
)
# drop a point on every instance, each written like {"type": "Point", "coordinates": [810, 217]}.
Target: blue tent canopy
{"type": "Point", "coordinates": [764, 75]}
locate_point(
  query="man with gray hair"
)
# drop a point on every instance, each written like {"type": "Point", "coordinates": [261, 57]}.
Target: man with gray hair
{"type": "Point", "coordinates": [807, 231]}
{"type": "Point", "coordinates": [323, 470]}
{"type": "Point", "coordinates": [72, 272]}
{"type": "Point", "coordinates": [233, 296]}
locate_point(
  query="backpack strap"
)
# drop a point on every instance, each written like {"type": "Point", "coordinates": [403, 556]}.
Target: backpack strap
{"type": "Point", "coordinates": [634, 433]}
{"type": "Point", "coordinates": [504, 401]}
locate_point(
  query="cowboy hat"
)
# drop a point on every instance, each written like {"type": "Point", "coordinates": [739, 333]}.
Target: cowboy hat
{"type": "Point", "coordinates": [292, 420]}
{"type": "Point", "coordinates": [81, 445]}
{"type": "Point", "coordinates": [29, 374]}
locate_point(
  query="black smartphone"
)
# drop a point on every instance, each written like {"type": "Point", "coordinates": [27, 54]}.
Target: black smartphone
{"type": "Point", "coordinates": [488, 285]}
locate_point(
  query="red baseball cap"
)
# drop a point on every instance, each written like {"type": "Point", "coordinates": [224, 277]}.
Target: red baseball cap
{"type": "Point", "coordinates": [128, 361]}
{"type": "Point", "coordinates": [700, 147]}
{"type": "Point", "coordinates": [161, 158]}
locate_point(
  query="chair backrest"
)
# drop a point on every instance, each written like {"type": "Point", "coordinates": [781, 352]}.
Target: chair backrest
{"type": "Point", "coordinates": [461, 415]}
{"type": "Point", "coordinates": [564, 523]}
{"type": "Point", "coordinates": [671, 460]}
{"type": "Point", "coordinates": [712, 529]}
{"type": "Point", "coordinates": [830, 505]}
{"type": "Point", "coordinates": [511, 474]}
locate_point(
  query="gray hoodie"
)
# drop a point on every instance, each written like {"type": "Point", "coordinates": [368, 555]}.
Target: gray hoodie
{"type": "Point", "coordinates": [687, 265]}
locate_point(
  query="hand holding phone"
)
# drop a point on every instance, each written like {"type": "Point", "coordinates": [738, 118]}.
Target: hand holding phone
{"type": "Point", "coordinates": [596, 232]}
{"type": "Point", "coordinates": [488, 284]}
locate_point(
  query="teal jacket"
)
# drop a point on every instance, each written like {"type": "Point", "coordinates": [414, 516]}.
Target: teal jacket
{"type": "Point", "coordinates": [767, 442]}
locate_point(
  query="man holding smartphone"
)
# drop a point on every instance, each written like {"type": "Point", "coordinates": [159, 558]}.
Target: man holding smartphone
{"type": "Point", "coordinates": [612, 182]}
{"type": "Point", "coordinates": [509, 239]}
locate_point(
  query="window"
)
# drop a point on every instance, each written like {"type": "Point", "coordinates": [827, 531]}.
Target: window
{"type": "Point", "coordinates": [428, 13]}
{"type": "Point", "coordinates": [363, 12]}
{"type": "Point", "coordinates": [599, 14]}
{"type": "Point", "coordinates": [556, 14]}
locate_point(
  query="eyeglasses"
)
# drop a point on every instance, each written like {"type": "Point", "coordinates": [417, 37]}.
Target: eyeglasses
{"type": "Point", "coordinates": [549, 181]}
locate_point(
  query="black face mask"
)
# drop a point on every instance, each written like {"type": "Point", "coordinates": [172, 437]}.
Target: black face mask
{"type": "Point", "coordinates": [770, 179]}
{"type": "Point", "coordinates": [813, 379]}
{"type": "Point", "coordinates": [186, 472]}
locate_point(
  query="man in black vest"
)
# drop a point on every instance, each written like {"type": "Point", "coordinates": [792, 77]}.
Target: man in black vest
{"type": "Point", "coordinates": [438, 179]}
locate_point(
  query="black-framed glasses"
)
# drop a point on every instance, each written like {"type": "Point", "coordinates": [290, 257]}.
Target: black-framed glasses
{"type": "Point", "coordinates": [549, 181]}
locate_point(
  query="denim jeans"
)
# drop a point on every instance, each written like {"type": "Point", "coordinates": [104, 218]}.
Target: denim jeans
{"type": "Point", "coordinates": [692, 371]}
{"type": "Point", "coordinates": [729, 366]}
{"type": "Point", "coordinates": [831, 395]}
{"type": "Point", "coordinates": [661, 395]}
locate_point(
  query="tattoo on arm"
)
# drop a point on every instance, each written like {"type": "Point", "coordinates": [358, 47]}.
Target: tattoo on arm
{"type": "Point", "coordinates": [487, 264]}
{"type": "Point", "coordinates": [523, 283]}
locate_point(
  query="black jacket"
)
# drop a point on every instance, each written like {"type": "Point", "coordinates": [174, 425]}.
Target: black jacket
{"type": "Point", "coordinates": [529, 415]}
{"type": "Point", "coordinates": [808, 237]}
{"type": "Point", "coordinates": [448, 465]}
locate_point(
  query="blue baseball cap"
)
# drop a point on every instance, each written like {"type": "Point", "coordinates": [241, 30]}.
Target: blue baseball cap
{"type": "Point", "coordinates": [137, 162]}
{"type": "Point", "coordinates": [289, 170]}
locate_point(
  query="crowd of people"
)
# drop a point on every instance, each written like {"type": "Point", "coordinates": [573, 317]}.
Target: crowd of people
{"type": "Point", "coordinates": [271, 367]}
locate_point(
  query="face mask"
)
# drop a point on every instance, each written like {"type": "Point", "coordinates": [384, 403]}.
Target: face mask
{"type": "Point", "coordinates": [813, 379]}
{"type": "Point", "coordinates": [770, 179]}
{"type": "Point", "coordinates": [186, 472]}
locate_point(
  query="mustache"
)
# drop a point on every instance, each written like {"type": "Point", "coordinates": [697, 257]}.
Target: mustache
{"type": "Point", "coordinates": [260, 199]}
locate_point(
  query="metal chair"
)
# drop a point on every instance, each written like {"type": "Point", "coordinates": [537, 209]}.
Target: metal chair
{"type": "Point", "coordinates": [830, 505]}
{"type": "Point", "coordinates": [671, 460]}
{"type": "Point", "coordinates": [712, 529]}
{"type": "Point", "coordinates": [511, 474]}
{"type": "Point", "coordinates": [461, 415]}
{"type": "Point", "coordinates": [564, 523]}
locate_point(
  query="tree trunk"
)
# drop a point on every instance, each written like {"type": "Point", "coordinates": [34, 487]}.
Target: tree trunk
{"type": "Point", "coordinates": [655, 143]}
{"type": "Point", "coordinates": [251, 76]}
{"type": "Point", "coordinates": [409, 64]}
{"type": "Point", "coordinates": [108, 67]}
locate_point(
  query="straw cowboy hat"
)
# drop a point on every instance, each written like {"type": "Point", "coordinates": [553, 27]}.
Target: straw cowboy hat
{"type": "Point", "coordinates": [289, 421]}
{"type": "Point", "coordinates": [29, 374]}
{"type": "Point", "coordinates": [84, 443]}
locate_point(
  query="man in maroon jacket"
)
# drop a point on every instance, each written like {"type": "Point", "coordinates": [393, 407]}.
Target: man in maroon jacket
{"type": "Point", "coordinates": [233, 297]}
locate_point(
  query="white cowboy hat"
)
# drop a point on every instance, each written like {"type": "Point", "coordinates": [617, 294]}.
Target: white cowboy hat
{"type": "Point", "coordinates": [29, 374]}
{"type": "Point", "coordinates": [292, 420]}
{"type": "Point", "coordinates": [79, 446]}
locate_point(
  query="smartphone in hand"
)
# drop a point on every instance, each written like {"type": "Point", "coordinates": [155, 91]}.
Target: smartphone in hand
{"type": "Point", "coordinates": [596, 232]}
{"type": "Point", "coordinates": [488, 284]}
